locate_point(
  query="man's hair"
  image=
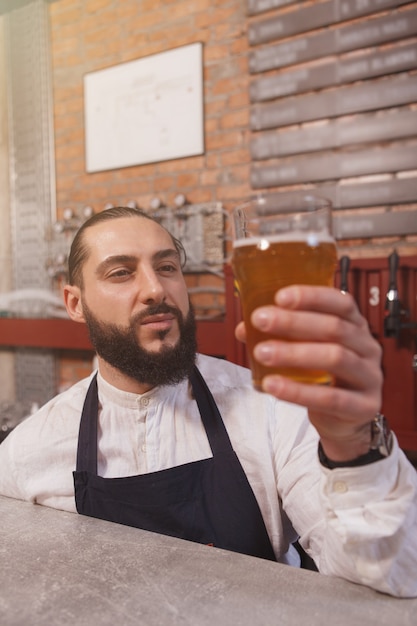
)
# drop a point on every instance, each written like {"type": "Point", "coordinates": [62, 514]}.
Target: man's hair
{"type": "Point", "coordinates": [79, 250]}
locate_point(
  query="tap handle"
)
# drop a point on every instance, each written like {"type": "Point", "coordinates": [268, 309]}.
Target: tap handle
{"type": "Point", "coordinates": [392, 302]}
{"type": "Point", "coordinates": [392, 320]}
{"type": "Point", "coordinates": [344, 269]}
{"type": "Point", "coordinates": [393, 268]}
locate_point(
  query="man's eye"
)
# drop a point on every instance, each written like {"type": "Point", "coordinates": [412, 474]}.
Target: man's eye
{"type": "Point", "coordinates": [120, 273]}
{"type": "Point", "coordinates": [167, 269]}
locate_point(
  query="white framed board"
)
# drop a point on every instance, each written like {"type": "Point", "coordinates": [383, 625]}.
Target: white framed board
{"type": "Point", "coordinates": [146, 110]}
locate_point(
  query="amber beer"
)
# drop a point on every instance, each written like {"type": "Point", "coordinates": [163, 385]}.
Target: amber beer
{"type": "Point", "coordinates": [261, 266]}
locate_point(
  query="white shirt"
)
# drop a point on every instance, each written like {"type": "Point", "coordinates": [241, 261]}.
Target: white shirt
{"type": "Point", "coordinates": [358, 523]}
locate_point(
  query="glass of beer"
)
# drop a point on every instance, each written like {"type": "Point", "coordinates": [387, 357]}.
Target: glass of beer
{"type": "Point", "coordinates": [276, 244]}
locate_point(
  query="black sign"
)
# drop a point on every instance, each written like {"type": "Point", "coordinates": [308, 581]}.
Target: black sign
{"type": "Point", "coordinates": [384, 192]}
{"type": "Point", "coordinates": [397, 191]}
{"type": "Point", "coordinates": [335, 165]}
{"type": "Point", "coordinates": [369, 96]}
{"type": "Point", "coordinates": [310, 17]}
{"type": "Point", "coordinates": [335, 134]}
{"type": "Point", "coordinates": [351, 37]}
{"type": "Point", "coordinates": [375, 225]}
{"type": "Point", "coordinates": [334, 72]}
{"type": "Point", "coordinates": [259, 6]}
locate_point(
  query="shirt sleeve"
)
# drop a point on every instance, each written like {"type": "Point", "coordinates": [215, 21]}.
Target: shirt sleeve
{"type": "Point", "coordinates": [37, 458]}
{"type": "Point", "coordinates": [365, 530]}
{"type": "Point", "coordinates": [10, 486]}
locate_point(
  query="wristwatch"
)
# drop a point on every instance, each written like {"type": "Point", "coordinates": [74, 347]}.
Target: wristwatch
{"type": "Point", "coordinates": [381, 435]}
{"type": "Point", "coordinates": [380, 447]}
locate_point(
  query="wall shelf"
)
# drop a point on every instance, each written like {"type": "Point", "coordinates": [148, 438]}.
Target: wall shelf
{"type": "Point", "coordinates": [63, 334]}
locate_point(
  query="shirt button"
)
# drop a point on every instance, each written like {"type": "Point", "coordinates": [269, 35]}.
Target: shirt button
{"type": "Point", "coordinates": [144, 401]}
{"type": "Point", "coordinates": [340, 487]}
{"type": "Point", "coordinates": [143, 447]}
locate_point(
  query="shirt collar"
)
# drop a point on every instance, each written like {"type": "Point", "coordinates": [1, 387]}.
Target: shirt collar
{"type": "Point", "coordinates": [127, 399]}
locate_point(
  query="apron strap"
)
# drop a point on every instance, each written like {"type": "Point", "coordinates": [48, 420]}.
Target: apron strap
{"type": "Point", "coordinates": [87, 438]}
{"type": "Point", "coordinates": [215, 429]}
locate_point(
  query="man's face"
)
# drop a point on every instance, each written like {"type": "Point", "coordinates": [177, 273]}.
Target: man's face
{"type": "Point", "coordinates": [132, 267]}
{"type": "Point", "coordinates": [135, 300]}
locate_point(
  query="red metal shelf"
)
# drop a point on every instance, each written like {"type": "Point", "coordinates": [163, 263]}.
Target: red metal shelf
{"type": "Point", "coordinates": [62, 334]}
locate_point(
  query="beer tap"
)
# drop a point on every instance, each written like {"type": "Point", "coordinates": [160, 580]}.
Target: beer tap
{"type": "Point", "coordinates": [344, 270]}
{"type": "Point", "coordinates": [392, 320]}
{"type": "Point", "coordinates": [394, 311]}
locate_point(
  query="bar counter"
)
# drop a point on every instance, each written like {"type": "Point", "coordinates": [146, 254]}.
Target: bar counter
{"type": "Point", "coordinates": [65, 569]}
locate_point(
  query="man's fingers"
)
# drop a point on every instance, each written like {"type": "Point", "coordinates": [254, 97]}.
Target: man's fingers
{"type": "Point", "coordinates": [316, 327]}
{"type": "Point", "coordinates": [320, 299]}
{"type": "Point", "coordinates": [350, 369]}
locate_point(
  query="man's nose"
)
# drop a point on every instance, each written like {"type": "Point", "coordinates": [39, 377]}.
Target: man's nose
{"type": "Point", "coordinates": [150, 286]}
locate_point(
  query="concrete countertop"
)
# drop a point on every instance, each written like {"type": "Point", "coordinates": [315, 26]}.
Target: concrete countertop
{"type": "Point", "coordinates": [61, 568]}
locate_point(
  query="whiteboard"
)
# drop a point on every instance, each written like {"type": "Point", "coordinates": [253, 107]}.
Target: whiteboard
{"type": "Point", "coordinates": [146, 110]}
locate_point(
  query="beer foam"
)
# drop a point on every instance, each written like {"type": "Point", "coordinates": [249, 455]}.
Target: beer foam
{"type": "Point", "coordinates": [311, 238]}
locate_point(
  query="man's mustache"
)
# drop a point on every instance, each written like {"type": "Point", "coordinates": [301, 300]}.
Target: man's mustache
{"type": "Point", "coordinates": [157, 309]}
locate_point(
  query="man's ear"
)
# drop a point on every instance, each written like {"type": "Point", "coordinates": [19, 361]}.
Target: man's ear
{"type": "Point", "coordinates": [72, 299]}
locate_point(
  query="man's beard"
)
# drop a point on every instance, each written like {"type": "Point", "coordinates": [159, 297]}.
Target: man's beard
{"type": "Point", "coordinates": [120, 347]}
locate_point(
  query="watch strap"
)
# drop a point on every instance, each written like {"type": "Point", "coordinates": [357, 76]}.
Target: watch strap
{"type": "Point", "coordinates": [380, 446]}
{"type": "Point", "coordinates": [365, 459]}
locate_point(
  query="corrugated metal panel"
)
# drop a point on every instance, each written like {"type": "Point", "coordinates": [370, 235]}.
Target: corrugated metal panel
{"type": "Point", "coordinates": [32, 175]}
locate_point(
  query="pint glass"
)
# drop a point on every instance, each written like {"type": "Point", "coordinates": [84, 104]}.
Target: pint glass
{"type": "Point", "coordinates": [276, 245]}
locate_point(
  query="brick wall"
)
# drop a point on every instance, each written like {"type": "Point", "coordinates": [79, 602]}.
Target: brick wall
{"type": "Point", "coordinates": [88, 35]}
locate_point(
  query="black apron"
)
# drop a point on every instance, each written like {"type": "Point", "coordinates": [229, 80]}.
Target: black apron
{"type": "Point", "coordinates": [208, 501]}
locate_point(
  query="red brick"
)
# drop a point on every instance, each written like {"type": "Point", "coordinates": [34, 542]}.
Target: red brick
{"type": "Point", "coordinates": [231, 139]}
{"type": "Point", "coordinates": [185, 181]}
{"type": "Point", "coordinates": [164, 183]}
{"type": "Point", "coordinates": [236, 119]}
{"type": "Point", "coordinates": [234, 157]}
